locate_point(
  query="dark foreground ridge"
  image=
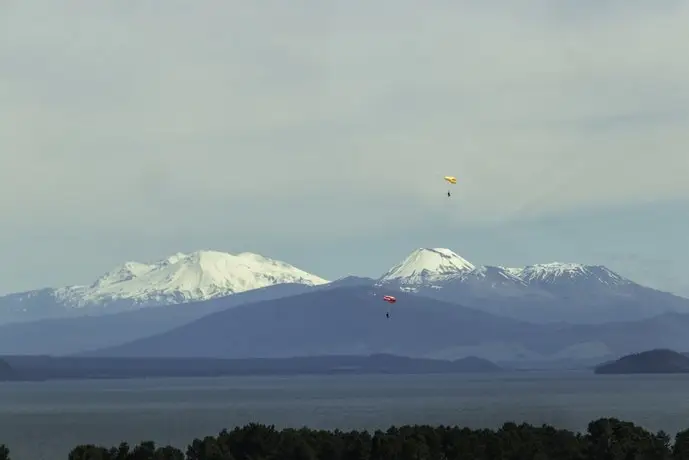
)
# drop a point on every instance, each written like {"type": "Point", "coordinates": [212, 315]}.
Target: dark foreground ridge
{"type": "Point", "coordinates": [661, 361]}
{"type": "Point", "coordinates": [47, 367]}
{"type": "Point", "coordinates": [605, 439]}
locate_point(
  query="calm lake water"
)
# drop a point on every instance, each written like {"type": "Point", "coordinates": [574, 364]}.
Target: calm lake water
{"type": "Point", "coordinates": [45, 420]}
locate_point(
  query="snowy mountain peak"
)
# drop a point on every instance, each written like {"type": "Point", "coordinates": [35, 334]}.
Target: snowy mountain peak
{"type": "Point", "coordinates": [495, 273]}
{"type": "Point", "coordinates": [426, 265]}
{"type": "Point", "coordinates": [552, 272]}
{"type": "Point", "coordinates": [184, 277]}
{"type": "Point", "coordinates": [174, 258]}
{"type": "Point", "coordinates": [125, 272]}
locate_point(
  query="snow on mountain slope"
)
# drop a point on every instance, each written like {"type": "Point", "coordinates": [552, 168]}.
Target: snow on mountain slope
{"type": "Point", "coordinates": [547, 292]}
{"type": "Point", "coordinates": [200, 275]}
{"type": "Point", "coordinates": [494, 276]}
{"type": "Point", "coordinates": [557, 272]}
{"type": "Point", "coordinates": [426, 266]}
{"type": "Point", "coordinates": [440, 267]}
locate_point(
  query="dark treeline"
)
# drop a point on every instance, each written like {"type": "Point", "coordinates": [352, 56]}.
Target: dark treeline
{"type": "Point", "coordinates": [605, 439]}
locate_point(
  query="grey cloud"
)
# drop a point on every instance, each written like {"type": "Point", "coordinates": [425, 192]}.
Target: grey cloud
{"type": "Point", "coordinates": [125, 114]}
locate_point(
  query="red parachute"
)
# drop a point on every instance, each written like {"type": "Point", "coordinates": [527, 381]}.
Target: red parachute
{"type": "Point", "coordinates": [389, 299]}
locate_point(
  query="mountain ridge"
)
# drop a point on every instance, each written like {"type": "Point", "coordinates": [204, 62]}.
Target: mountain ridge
{"type": "Point", "coordinates": [347, 317]}
{"type": "Point", "coordinates": [352, 320]}
{"type": "Point", "coordinates": [429, 265]}
{"type": "Point", "coordinates": [548, 292]}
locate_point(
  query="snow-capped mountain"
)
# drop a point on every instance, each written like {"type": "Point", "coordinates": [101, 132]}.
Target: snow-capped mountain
{"type": "Point", "coordinates": [541, 292]}
{"type": "Point", "coordinates": [182, 278]}
{"type": "Point", "coordinates": [426, 267]}
{"type": "Point", "coordinates": [179, 278]}
{"type": "Point", "coordinates": [537, 293]}
{"type": "Point", "coordinates": [207, 282]}
{"type": "Point", "coordinates": [436, 267]}
{"type": "Point", "coordinates": [568, 273]}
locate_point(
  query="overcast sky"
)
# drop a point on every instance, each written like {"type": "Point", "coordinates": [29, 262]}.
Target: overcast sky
{"type": "Point", "coordinates": [318, 132]}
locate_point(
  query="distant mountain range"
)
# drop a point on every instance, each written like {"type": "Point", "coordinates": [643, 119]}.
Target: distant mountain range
{"type": "Point", "coordinates": [216, 305]}
{"type": "Point", "coordinates": [538, 293]}
{"type": "Point", "coordinates": [62, 336]}
{"type": "Point", "coordinates": [46, 367]}
{"type": "Point", "coordinates": [549, 292]}
{"type": "Point", "coordinates": [351, 321]}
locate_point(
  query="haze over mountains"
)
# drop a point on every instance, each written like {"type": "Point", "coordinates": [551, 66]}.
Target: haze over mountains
{"type": "Point", "coordinates": [211, 304]}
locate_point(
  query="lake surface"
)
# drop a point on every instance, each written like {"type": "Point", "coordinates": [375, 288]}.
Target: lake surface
{"type": "Point", "coordinates": [44, 420]}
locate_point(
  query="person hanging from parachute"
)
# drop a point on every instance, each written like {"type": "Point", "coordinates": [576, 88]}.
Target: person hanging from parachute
{"type": "Point", "coordinates": [450, 180]}
{"type": "Point", "coordinates": [389, 299]}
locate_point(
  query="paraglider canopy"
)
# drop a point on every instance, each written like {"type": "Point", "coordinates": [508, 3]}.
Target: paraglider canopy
{"type": "Point", "coordinates": [389, 299]}
{"type": "Point", "coordinates": [451, 179]}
